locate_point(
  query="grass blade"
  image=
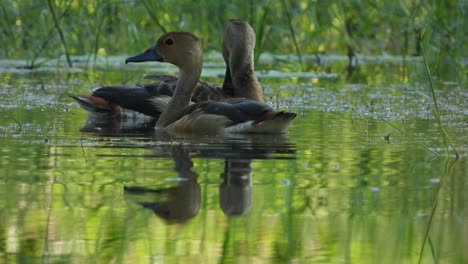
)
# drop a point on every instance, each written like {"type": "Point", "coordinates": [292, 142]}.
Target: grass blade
{"type": "Point", "coordinates": [293, 34]}
{"type": "Point", "coordinates": [59, 30]}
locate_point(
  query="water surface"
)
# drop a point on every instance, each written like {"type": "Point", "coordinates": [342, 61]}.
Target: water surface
{"type": "Point", "coordinates": [362, 176]}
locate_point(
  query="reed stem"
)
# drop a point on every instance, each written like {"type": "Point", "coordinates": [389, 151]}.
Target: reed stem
{"type": "Point", "coordinates": [449, 168]}
{"type": "Point", "coordinates": [293, 34]}
{"type": "Point", "coordinates": [153, 16]}
{"type": "Point", "coordinates": [436, 105]}
{"type": "Point", "coordinates": [59, 30]}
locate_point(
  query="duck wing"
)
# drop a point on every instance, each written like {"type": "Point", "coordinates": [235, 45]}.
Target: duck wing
{"type": "Point", "coordinates": [237, 115]}
{"type": "Point", "coordinates": [140, 98]}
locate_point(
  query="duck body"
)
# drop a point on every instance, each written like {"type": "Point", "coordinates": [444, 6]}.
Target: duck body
{"type": "Point", "coordinates": [111, 100]}
{"type": "Point", "coordinates": [237, 115]}
{"type": "Point", "coordinates": [240, 81]}
{"type": "Point", "coordinates": [186, 105]}
{"type": "Point", "coordinates": [114, 101]}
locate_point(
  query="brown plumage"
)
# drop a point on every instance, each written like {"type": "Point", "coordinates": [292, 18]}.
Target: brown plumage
{"type": "Point", "coordinates": [237, 115]}
{"type": "Point", "coordinates": [240, 80]}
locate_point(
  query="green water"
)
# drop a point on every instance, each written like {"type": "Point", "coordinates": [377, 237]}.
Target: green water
{"type": "Point", "coordinates": [356, 180]}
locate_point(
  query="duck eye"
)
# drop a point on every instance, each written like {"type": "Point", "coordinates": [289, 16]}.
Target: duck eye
{"type": "Point", "coordinates": [169, 41]}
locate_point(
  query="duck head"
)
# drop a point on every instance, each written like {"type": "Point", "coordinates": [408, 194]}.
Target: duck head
{"type": "Point", "coordinates": [238, 42]}
{"type": "Point", "coordinates": [182, 49]}
{"type": "Point", "coordinates": [149, 55]}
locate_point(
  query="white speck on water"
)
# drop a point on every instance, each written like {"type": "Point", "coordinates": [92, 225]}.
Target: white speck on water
{"type": "Point", "coordinates": [434, 180]}
{"type": "Point", "coordinates": [177, 179]}
{"type": "Point", "coordinates": [245, 177]}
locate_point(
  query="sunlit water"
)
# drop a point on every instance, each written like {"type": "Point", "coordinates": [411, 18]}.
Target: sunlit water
{"type": "Point", "coordinates": [362, 176]}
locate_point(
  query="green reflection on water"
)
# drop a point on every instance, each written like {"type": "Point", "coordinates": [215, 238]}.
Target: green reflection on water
{"type": "Point", "coordinates": [354, 181]}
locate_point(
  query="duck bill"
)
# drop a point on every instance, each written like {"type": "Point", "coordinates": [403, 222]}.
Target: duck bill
{"type": "Point", "coordinates": [150, 54]}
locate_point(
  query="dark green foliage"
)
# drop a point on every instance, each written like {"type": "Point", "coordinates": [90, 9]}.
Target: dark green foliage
{"type": "Point", "coordinates": [369, 27]}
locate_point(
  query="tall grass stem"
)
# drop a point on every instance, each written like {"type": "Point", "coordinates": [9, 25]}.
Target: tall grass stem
{"type": "Point", "coordinates": [436, 105]}
{"type": "Point", "coordinates": [293, 34]}
{"type": "Point", "coordinates": [59, 30]}
{"type": "Point", "coordinates": [153, 16]}
{"type": "Point", "coordinates": [449, 168]}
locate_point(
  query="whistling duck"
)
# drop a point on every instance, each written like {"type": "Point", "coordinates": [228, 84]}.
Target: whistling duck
{"type": "Point", "coordinates": [240, 81]}
{"type": "Point", "coordinates": [238, 115]}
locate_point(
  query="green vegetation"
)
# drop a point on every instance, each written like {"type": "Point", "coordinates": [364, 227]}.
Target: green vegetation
{"type": "Point", "coordinates": [49, 29]}
{"type": "Point", "coordinates": [369, 183]}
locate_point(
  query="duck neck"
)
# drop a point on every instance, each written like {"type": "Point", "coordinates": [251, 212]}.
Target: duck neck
{"type": "Point", "coordinates": [181, 98]}
{"type": "Point", "coordinates": [243, 78]}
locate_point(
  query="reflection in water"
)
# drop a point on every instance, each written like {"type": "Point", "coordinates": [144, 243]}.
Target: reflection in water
{"type": "Point", "coordinates": [180, 203]}
{"type": "Point", "coordinates": [174, 204]}
{"type": "Point", "coordinates": [129, 123]}
{"type": "Point", "coordinates": [350, 197]}
{"type": "Point", "coordinates": [235, 192]}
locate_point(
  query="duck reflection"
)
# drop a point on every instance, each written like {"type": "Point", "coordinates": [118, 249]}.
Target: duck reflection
{"type": "Point", "coordinates": [178, 204]}
{"type": "Point", "coordinates": [235, 190]}
{"type": "Point", "coordinates": [174, 204]}
{"type": "Point", "coordinates": [182, 202]}
{"type": "Point", "coordinates": [128, 123]}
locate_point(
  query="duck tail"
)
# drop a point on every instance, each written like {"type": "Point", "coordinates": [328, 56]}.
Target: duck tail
{"type": "Point", "coordinates": [95, 104]}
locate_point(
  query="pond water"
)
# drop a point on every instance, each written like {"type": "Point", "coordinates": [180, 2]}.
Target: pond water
{"type": "Point", "coordinates": [363, 176]}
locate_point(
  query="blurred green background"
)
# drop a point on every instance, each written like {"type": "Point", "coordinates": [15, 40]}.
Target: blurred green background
{"type": "Point", "coordinates": [49, 29]}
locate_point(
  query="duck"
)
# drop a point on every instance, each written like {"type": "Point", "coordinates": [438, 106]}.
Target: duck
{"type": "Point", "coordinates": [180, 115]}
{"type": "Point", "coordinates": [238, 46]}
